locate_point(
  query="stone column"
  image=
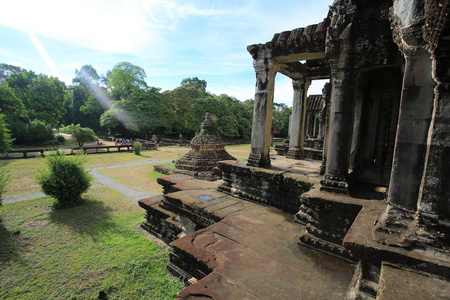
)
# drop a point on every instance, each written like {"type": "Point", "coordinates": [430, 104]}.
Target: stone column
{"type": "Point", "coordinates": [265, 70]}
{"type": "Point", "coordinates": [297, 126]}
{"type": "Point", "coordinates": [433, 215]}
{"type": "Point", "coordinates": [418, 190]}
{"type": "Point", "coordinates": [434, 195]}
{"type": "Point", "coordinates": [414, 121]}
{"type": "Point", "coordinates": [339, 51]}
{"type": "Point", "coordinates": [342, 90]}
{"type": "Point", "coordinates": [326, 91]}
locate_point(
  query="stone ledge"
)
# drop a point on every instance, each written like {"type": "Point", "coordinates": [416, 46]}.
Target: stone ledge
{"type": "Point", "coordinates": [359, 240]}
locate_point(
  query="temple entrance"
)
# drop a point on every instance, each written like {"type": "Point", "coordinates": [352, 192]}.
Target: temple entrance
{"type": "Point", "coordinates": [376, 111]}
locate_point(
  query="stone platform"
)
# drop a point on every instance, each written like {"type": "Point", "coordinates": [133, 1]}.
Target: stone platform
{"type": "Point", "coordinates": [249, 251]}
{"type": "Point", "coordinates": [253, 253]}
{"type": "Point", "coordinates": [229, 243]}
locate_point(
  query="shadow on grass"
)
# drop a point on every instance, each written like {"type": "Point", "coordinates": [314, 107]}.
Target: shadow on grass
{"type": "Point", "coordinates": [8, 244]}
{"type": "Point", "coordinates": [91, 218]}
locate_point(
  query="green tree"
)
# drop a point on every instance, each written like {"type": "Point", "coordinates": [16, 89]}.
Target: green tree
{"type": "Point", "coordinates": [194, 83]}
{"type": "Point", "coordinates": [84, 135]}
{"type": "Point", "coordinates": [109, 120]}
{"type": "Point", "coordinates": [88, 94]}
{"type": "Point", "coordinates": [280, 119]}
{"type": "Point", "coordinates": [79, 98]}
{"type": "Point", "coordinates": [5, 136]}
{"type": "Point", "coordinates": [48, 98]}
{"type": "Point", "coordinates": [87, 77]}
{"type": "Point", "coordinates": [14, 110]}
{"type": "Point", "coordinates": [66, 179]}
{"type": "Point", "coordinates": [7, 70]}
{"type": "Point", "coordinates": [124, 79]}
{"type": "Point", "coordinates": [44, 97]}
{"type": "Point", "coordinates": [179, 108]}
{"type": "Point", "coordinates": [21, 83]}
{"type": "Point", "coordinates": [38, 131]}
{"type": "Point", "coordinates": [69, 129]}
{"type": "Point", "coordinates": [140, 112]}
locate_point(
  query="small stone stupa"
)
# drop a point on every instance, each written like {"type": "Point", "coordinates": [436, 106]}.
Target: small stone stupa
{"type": "Point", "coordinates": [207, 148]}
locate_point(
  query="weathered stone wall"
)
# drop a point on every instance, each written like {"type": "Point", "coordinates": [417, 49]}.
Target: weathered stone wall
{"type": "Point", "coordinates": [268, 187]}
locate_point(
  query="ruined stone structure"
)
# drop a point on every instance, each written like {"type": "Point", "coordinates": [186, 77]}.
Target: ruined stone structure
{"type": "Point", "coordinates": [376, 224]}
{"type": "Point", "coordinates": [314, 129]}
{"type": "Point", "coordinates": [207, 148]}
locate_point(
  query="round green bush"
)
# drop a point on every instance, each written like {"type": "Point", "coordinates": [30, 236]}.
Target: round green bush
{"type": "Point", "coordinates": [137, 146]}
{"type": "Point", "coordinates": [66, 179]}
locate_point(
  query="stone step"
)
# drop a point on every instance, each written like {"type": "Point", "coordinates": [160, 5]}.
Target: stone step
{"type": "Point", "coordinates": [160, 222]}
{"type": "Point", "coordinates": [365, 281]}
{"type": "Point", "coordinates": [399, 282]}
{"type": "Point", "coordinates": [364, 296]}
{"type": "Point", "coordinates": [369, 287]}
{"type": "Point", "coordinates": [255, 252]}
{"type": "Point", "coordinates": [325, 247]}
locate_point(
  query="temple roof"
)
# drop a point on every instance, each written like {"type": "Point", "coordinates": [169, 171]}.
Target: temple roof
{"type": "Point", "coordinates": [315, 103]}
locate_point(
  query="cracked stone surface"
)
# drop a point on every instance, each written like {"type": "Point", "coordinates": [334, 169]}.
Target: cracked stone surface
{"type": "Point", "coordinates": [253, 253]}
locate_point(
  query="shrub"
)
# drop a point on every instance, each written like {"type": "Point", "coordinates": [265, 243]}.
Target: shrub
{"type": "Point", "coordinates": [84, 135]}
{"type": "Point", "coordinates": [137, 146]}
{"type": "Point", "coordinates": [66, 179]}
{"type": "Point", "coordinates": [38, 131]}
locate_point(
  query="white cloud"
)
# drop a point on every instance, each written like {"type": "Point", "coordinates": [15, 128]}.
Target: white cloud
{"type": "Point", "coordinates": [127, 26]}
{"type": "Point", "coordinates": [168, 38]}
{"type": "Point", "coordinates": [240, 93]}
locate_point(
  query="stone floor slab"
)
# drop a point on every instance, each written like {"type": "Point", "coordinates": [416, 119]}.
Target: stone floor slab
{"type": "Point", "coordinates": [398, 283]}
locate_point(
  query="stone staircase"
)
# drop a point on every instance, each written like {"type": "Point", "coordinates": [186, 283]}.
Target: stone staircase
{"type": "Point", "coordinates": [365, 282]}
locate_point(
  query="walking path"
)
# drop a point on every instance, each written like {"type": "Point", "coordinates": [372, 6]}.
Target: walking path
{"type": "Point", "coordinates": [103, 181]}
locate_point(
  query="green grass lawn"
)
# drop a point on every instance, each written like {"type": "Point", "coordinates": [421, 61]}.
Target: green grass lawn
{"type": "Point", "coordinates": [76, 253]}
{"type": "Point", "coordinates": [22, 171]}
{"type": "Point", "coordinates": [141, 178]}
{"type": "Point", "coordinates": [79, 252]}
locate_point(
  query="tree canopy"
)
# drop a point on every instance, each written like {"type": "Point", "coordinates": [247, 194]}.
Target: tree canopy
{"type": "Point", "coordinates": [118, 103]}
{"type": "Point", "coordinates": [194, 83]}
{"type": "Point", "coordinates": [124, 79]}
{"type": "Point", "coordinates": [83, 135]}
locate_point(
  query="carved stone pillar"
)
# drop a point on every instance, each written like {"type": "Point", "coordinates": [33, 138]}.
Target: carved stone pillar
{"type": "Point", "coordinates": [434, 198]}
{"type": "Point", "coordinates": [418, 199]}
{"type": "Point", "coordinates": [326, 91]}
{"type": "Point", "coordinates": [339, 50]}
{"type": "Point", "coordinates": [433, 216]}
{"type": "Point", "coordinates": [335, 179]}
{"type": "Point", "coordinates": [297, 128]}
{"type": "Point", "coordinates": [265, 70]}
{"type": "Point", "coordinates": [414, 121]}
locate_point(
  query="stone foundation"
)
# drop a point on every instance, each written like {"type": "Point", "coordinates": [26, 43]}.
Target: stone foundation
{"type": "Point", "coordinates": [267, 187]}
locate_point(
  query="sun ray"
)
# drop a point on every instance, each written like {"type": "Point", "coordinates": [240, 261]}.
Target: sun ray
{"type": "Point", "coordinates": [43, 53]}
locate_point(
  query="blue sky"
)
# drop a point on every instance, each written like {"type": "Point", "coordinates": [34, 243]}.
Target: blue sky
{"type": "Point", "coordinates": [170, 39]}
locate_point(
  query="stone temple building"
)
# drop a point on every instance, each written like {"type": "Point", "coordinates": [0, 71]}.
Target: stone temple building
{"type": "Point", "coordinates": [375, 223]}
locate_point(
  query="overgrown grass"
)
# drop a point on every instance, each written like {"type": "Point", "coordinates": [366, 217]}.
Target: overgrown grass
{"type": "Point", "coordinates": [76, 253]}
